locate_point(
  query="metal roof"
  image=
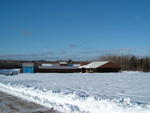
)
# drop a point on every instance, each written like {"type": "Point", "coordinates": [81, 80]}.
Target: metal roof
{"type": "Point", "coordinates": [94, 64]}
{"type": "Point", "coordinates": [58, 67]}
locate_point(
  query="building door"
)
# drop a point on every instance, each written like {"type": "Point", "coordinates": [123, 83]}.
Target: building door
{"type": "Point", "coordinates": [28, 69]}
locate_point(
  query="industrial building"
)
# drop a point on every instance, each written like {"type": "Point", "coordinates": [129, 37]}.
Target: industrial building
{"type": "Point", "coordinates": [57, 69]}
{"type": "Point", "coordinates": [61, 67]}
{"type": "Point", "coordinates": [64, 67]}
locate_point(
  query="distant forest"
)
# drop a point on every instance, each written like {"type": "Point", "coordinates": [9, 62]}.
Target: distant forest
{"type": "Point", "coordinates": [129, 62]}
{"type": "Point", "coordinates": [9, 64]}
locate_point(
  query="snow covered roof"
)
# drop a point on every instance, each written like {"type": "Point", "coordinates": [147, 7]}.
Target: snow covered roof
{"type": "Point", "coordinates": [62, 62]}
{"type": "Point", "coordinates": [9, 71]}
{"type": "Point", "coordinates": [94, 64]}
{"type": "Point", "coordinates": [47, 64]}
{"type": "Point", "coordinates": [76, 65]}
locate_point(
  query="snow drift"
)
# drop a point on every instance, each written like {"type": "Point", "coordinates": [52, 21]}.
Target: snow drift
{"type": "Point", "coordinates": [71, 99]}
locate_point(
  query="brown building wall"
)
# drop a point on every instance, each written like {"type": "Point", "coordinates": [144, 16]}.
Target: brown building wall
{"type": "Point", "coordinates": [109, 67]}
{"type": "Point", "coordinates": [57, 70]}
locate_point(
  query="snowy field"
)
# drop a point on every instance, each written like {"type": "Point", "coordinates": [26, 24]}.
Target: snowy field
{"type": "Point", "coordinates": [83, 93]}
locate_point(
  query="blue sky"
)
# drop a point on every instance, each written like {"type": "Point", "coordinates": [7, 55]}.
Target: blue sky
{"type": "Point", "coordinates": [68, 27]}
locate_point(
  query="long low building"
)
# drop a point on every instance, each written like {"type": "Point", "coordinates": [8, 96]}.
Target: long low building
{"type": "Point", "coordinates": [97, 66]}
{"type": "Point", "coordinates": [57, 69]}
{"type": "Point", "coordinates": [100, 66]}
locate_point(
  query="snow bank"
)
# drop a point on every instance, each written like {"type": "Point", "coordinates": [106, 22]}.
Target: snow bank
{"type": "Point", "coordinates": [132, 72]}
{"type": "Point", "coordinates": [54, 90]}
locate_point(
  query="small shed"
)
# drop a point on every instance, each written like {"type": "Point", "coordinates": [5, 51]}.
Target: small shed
{"type": "Point", "coordinates": [28, 67]}
{"type": "Point", "coordinates": [15, 71]}
{"type": "Point", "coordinates": [100, 66]}
{"type": "Point", "coordinates": [9, 72]}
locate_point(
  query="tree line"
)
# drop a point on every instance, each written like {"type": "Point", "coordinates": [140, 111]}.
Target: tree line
{"type": "Point", "coordinates": [126, 62]}
{"type": "Point", "coordinates": [129, 62]}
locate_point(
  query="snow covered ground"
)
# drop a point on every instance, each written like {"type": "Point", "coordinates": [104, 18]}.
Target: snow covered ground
{"type": "Point", "coordinates": [83, 93]}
